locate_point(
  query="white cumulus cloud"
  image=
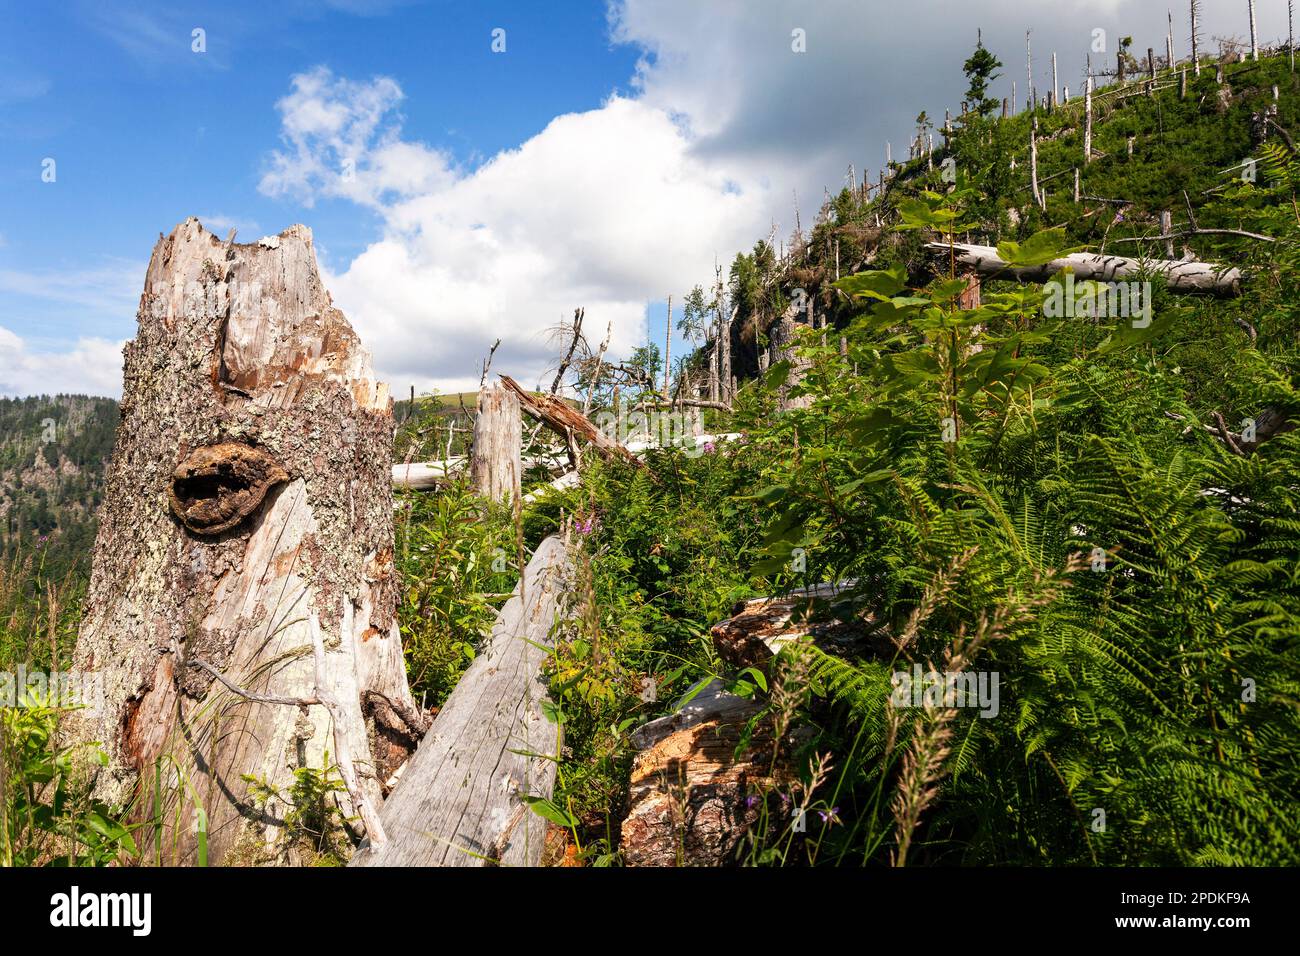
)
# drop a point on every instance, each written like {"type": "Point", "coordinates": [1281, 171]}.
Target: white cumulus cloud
{"type": "Point", "coordinates": [91, 366]}
{"type": "Point", "coordinates": [606, 209]}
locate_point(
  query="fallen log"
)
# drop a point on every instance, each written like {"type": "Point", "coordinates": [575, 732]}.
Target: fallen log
{"type": "Point", "coordinates": [427, 475]}
{"type": "Point", "coordinates": [432, 475]}
{"type": "Point", "coordinates": [1192, 277]}
{"type": "Point", "coordinates": [691, 797]}
{"type": "Point", "coordinates": [567, 480]}
{"type": "Point", "coordinates": [760, 627]}
{"type": "Point", "coordinates": [242, 604]}
{"type": "Point", "coordinates": [459, 801]}
{"type": "Point", "coordinates": [568, 422]}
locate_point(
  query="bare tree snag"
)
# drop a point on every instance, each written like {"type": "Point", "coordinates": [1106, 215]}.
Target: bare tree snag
{"type": "Point", "coordinates": [1087, 119]}
{"type": "Point", "coordinates": [1194, 277]}
{"type": "Point", "coordinates": [1196, 53]}
{"type": "Point", "coordinates": [578, 315]}
{"type": "Point", "coordinates": [1039, 200]}
{"type": "Point", "coordinates": [728, 377]}
{"type": "Point", "coordinates": [459, 800]}
{"type": "Point", "coordinates": [242, 603]}
{"type": "Point", "coordinates": [566, 421]}
{"type": "Point", "coordinates": [498, 438]}
{"type": "Point", "coordinates": [782, 347]}
{"type": "Point", "coordinates": [668, 345]}
{"type": "Point", "coordinates": [1254, 37]}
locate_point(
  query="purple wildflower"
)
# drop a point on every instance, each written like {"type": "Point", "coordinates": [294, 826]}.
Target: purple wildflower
{"type": "Point", "coordinates": [709, 448]}
{"type": "Point", "coordinates": [831, 816]}
{"type": "Point", "coordinates": [585, 526]}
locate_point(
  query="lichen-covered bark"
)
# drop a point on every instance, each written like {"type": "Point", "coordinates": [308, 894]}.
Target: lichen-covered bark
{"type": "Point", "coordinates": [239, 344]}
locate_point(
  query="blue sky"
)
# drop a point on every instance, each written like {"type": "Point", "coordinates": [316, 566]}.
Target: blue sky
{"type": "Point", "coordinates": [145, 131]}
{"type": "Point", "coordinates": [607, 158]}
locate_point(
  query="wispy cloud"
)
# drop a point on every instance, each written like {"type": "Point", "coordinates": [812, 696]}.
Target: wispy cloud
{"type": "Point", "coordinates": [143, 35]}
{"type": "Point", "coordinates": [19, 87]}
{"type": "Point", "coordinates": [110, 288]}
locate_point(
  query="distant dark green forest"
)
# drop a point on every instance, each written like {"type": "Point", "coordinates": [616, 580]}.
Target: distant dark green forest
{"type": "Point", "coordinates": [53, 451]}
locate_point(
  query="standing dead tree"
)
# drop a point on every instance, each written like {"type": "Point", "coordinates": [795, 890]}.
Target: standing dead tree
{"type": "Point", "coordinates": [494, 465]}
{"type": "Point", "coordinates": [1196, 39]}
{"type": "Point", "coordinates": [242, 606]}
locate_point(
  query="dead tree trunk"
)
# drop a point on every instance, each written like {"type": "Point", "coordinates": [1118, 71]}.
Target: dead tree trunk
{"type": "Point", "coordinates": [498, 438]}
{"type": "Point", "coordinates": [459, 801]}
{"type": "Point", "coordinates": [1033, 165]}
{"type": "Point", "coordinates": [782, 347]}
{"type": "Point", "coordinates": [242, 607]}
{"type": "Point", "coordinates": [728, 386]}
{"type": "Point", "coordinates": [1202, 277]}
{"type": "Point", "coordinates": [668, 345]}
{"type": "Point", "coordinates": [1196, 47]}
{"type": "Point", "coordinates": [1254, 37]}
{"type": "Point", "coordinates": [567, 422]}
{"type": "Point", "coordinates": [1087, 120]}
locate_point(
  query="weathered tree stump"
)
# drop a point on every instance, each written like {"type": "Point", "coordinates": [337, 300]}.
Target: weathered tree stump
{"type": "Point", "coordinates": [242, 602]}
{"type": "Point", "coordinates": [691, 797]}
{"type": "Point", "coordinates": [783, 344]}
{"type": "Point", "coordinates": [498, 440]}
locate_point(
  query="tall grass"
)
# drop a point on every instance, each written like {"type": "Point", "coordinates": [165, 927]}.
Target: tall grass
{"type": "Point", "coordinates": [48, 815]}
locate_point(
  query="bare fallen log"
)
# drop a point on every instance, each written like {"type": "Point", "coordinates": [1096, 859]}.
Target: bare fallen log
{"type": "Point", "coordinates": [427, 475]}
{"type": "Point", "coordinates": [458, 801]}
{"type": "Point", "coordinates": [568, 422]}
{"type": "Point", "coordinates": [432, 475]}
{"type": "Point", "coordinates": [1193, 277]}
{"type": "Point", "coordinates": [242, 607]}
{"type": "Point", "coordinates": [567, 480]}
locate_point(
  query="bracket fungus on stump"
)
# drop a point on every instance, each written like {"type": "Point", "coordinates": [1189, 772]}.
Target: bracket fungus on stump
{"type": "Point", "coordinates": [217, 486]}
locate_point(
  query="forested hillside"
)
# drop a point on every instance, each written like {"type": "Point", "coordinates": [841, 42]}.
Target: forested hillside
{"type": "Point", "coordinates": [53, 451]}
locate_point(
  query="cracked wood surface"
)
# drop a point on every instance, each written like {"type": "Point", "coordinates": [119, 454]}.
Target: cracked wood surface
{"type": "Point", "coordinates": [458, 800]}
{"type": "Point", "coordinates": [240, 345]}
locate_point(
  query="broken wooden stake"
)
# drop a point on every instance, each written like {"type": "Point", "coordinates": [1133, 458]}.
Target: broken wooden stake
{"type": "Point", "coordinates": [498, 437]}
